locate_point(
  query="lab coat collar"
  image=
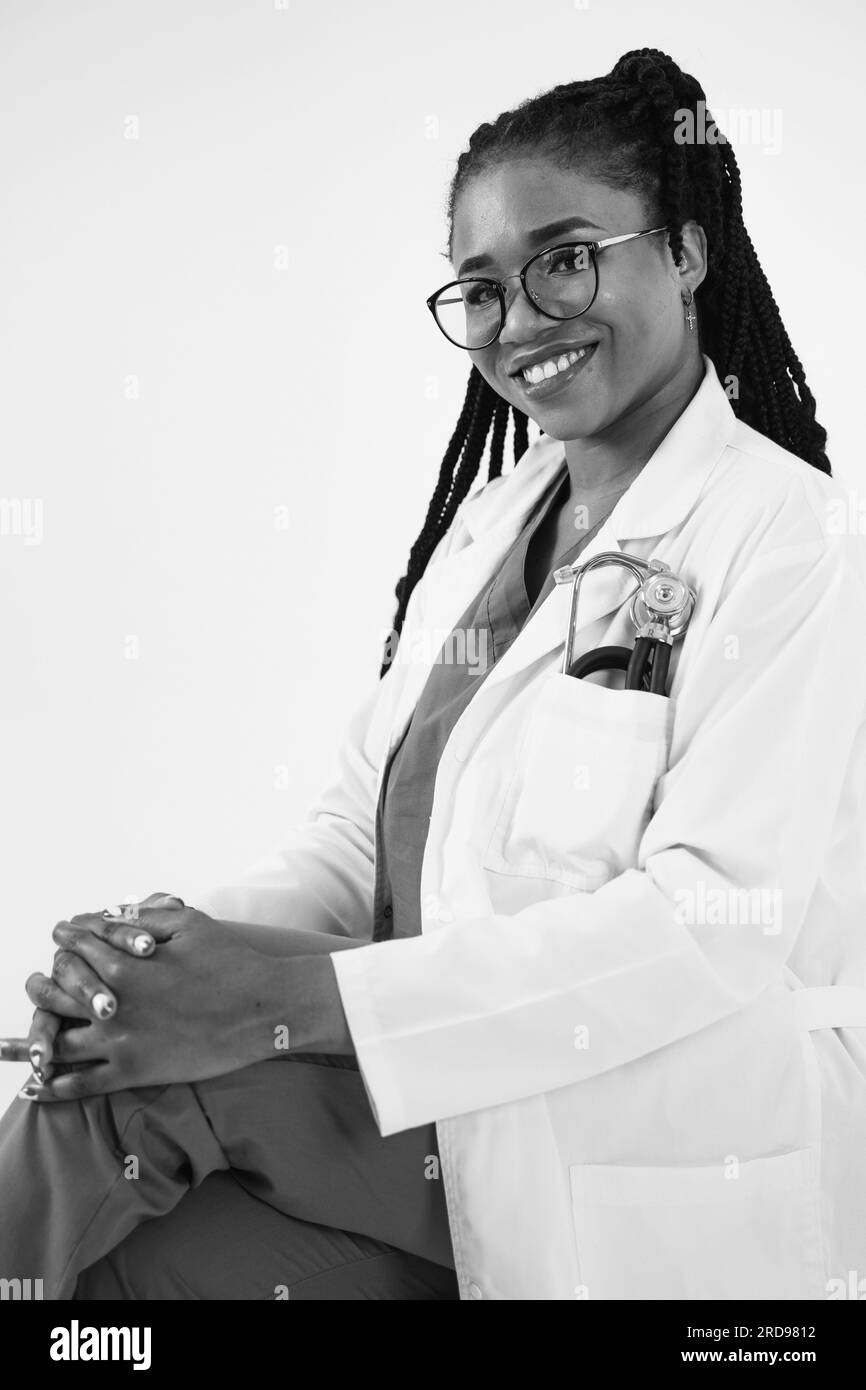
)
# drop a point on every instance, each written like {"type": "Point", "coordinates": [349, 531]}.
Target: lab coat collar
{"type": "Point", "coordinates": [660, 496]}
{"type": "Point", "coordinates": [487, 523]}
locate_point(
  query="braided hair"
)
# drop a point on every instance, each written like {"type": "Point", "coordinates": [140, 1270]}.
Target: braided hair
{"type": "Point", "coordinates": [621, 129]}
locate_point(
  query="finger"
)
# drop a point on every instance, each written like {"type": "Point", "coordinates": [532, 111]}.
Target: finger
{"type": "Point", "coordinates": [162, 900]}
{"type": "Point", "coordinates": [95, 1080]}
{"type": "Point", "coordinates": [18, 1050]}
{"type": "Point", "coordinates": [84, 967]}
{"type": "Point", "coordinates": [130, 913]}
{"type": "Point", "coordinates": [123, 933]}
{"type": "Point", "coordinates": [45, 993]}
{"type": "Point", "coordinates": [160, 923]}
{"type": "Point", "coordinates": [130, 910]}
{"type": "Point", "coordinates": [44, 1027]}
{"type": "Point", "coordinates": [122, 930]}
{"type": "Point", "coordinates": [84, 1044]}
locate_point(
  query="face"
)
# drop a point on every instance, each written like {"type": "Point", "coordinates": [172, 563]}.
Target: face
{"type": "Point", "coordinates": [635, 337]}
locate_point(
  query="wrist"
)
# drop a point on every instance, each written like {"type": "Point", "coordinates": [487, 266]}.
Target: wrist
{"type": "Point", "coordinates": [304, 1010]}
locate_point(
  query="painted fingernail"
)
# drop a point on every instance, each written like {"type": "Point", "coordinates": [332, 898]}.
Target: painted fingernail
{"type": "Point", "coordinates": [143, 945]}
{"type": "Point", "coordinates": [103, 1005]}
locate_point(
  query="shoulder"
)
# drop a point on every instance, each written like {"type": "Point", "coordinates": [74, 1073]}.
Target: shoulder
{"type": "Point", "coordinates": [776, 497]}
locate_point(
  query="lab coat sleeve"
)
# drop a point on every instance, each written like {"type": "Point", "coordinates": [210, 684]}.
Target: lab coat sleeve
{"type": "Point", "coordinates": [484, 1011]}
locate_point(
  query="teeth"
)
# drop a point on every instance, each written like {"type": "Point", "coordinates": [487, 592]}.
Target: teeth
{"type": "Point", "coordinates": [541, 371]}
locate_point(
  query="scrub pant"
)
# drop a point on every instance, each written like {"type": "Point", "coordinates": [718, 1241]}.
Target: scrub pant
{"type": "Point", "coordinates": [271, 1182]}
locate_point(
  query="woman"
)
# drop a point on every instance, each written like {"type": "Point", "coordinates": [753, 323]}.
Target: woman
{"type": "Point", "coordinates": [576, 974]}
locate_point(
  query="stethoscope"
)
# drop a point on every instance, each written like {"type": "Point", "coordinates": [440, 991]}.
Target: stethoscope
{"type": "Point", "coordinates": [661, 608]}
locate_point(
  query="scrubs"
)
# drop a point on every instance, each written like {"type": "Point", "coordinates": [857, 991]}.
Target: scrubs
{"type": "Point", "coordinates": [483, 635]}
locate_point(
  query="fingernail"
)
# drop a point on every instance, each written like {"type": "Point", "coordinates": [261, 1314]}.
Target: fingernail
{"type": "Point", "coordinates": [143, 944]}
{"type": "Point", "coordinates": [103, 1005]}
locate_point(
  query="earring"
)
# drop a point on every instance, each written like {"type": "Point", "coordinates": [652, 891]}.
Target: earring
{"type": "Point", "coordinates": [690, 317]}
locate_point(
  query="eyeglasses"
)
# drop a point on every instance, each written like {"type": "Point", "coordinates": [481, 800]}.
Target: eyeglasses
{"type": "Point", "coordinates": [561, 282]}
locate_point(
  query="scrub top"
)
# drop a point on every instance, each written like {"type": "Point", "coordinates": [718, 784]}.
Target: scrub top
{"type": "Point", "coordinates": [480, 638]}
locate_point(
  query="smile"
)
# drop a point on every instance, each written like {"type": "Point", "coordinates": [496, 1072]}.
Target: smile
{"type": "Point", "coordinates": [544, 378]}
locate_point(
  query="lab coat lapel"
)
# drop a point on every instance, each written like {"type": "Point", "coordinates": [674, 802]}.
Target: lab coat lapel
{"type": "Point", "coordinates": [656, 502]}
{"type": "Point", "coordinates": [488, 522]}
{"type": "Point", "coordinates": [485, 526]}
{"type": "Point", "coordinates": [480, 542]}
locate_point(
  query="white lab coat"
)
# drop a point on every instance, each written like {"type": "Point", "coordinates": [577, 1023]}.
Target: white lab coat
{"type": "Point", "coordinates": [636, 1011]}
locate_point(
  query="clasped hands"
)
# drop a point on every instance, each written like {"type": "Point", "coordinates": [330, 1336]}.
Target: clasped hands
{"type": "Point", "coordinates": [167, 994]}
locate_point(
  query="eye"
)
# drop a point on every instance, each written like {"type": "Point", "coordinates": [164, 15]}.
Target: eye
{"type": "Point", "coordinates": [477, 294]}
{"type": "Point", "coordinates": [565, 260]}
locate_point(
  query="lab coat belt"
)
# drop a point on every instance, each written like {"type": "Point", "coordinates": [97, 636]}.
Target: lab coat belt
{"type": "Point", "coordinates": [831, 1006]}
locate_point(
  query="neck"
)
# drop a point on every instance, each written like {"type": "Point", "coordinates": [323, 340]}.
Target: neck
{"type": "Point", "coordinates": [609, 462]}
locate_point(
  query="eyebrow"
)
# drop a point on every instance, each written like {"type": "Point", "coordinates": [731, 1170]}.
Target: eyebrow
{"type": "Point", "coordinates": [550, 229]}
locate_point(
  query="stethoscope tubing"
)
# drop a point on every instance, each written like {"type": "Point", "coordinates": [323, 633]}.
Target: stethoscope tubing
{"type": "Point", "coordinates": [646, 665]}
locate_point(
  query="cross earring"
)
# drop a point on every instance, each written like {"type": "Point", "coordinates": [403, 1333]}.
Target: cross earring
{"type": "Point", "coordinates": [690, 317]}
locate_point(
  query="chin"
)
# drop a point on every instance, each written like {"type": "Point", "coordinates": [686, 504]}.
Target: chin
{"type": "Point", "coordinates": [570, 422]}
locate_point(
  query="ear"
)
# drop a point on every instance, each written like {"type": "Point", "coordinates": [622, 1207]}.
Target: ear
{"type": "Point", "coordinates": [691, 269]}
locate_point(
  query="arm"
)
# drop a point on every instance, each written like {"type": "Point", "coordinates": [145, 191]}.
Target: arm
{"type": "Point", "coordinates": [322, 875]}
{"type": "Point", "coordinates": [761, 747]}
{"type": "Point", "coordinates": [82, 986]}
{"type": "Point", "coordinates": [289, 941]}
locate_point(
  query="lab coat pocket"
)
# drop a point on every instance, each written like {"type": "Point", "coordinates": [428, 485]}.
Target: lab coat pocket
{"type": "Point", "coordinates": [735, 1229]}
{"type": "Point", "coordinates": [580, 791]}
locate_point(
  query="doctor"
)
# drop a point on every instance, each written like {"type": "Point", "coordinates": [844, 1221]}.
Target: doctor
{"type": "Point", "coordinates": [635, 1009]}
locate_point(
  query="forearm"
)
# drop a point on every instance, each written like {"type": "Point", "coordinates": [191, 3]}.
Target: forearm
{"type": "Point", "coordinates": [301, 1009]}
{"type": "Point", "coordinates": [289, 941]}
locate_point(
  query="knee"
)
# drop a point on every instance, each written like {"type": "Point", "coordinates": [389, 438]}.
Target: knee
{"type": "Point", "coordinates": [137, 1270]}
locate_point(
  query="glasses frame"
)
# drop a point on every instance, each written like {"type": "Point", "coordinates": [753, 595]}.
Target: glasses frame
{"type": "Point", "coordinates": [594, 247]}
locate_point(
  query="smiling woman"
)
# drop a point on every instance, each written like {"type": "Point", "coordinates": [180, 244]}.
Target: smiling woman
{"type": "Point", "coordinates": [595, 161]}
{"type": "Point", "coordinates": [529, 1059]}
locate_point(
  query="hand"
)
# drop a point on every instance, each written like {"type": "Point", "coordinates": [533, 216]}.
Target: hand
{"type": "Point", "coordinates": [202, 1004]}
{"type": "Point", "coordinates": [74, 990]}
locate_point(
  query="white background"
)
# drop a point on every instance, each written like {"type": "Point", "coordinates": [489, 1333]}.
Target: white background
{"type": "Point", "coordinates": [153, 264]}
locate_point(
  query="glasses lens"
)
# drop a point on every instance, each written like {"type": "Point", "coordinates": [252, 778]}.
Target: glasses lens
{"type": "Point", "coordinates": [469, 313]}
{"type": "Point", "coordinates": [562, 281]}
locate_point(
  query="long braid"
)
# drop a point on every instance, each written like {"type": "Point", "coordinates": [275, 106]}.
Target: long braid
{"type": "Point", "coordinates": [621, 128]}
{"type": "Point", "coordinates": [481, 405]}
{"type": "Point", "coordinates": [497, 438]}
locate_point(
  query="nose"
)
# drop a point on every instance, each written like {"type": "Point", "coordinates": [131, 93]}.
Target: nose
{"type": "Point", "coordinates": [521, 316]}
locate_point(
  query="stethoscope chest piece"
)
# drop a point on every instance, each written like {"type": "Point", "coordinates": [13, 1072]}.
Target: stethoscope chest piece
{"type": "Point", "coordinates": [660, 611]}
{"type": "Point", "coordinates": [663, 598]}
